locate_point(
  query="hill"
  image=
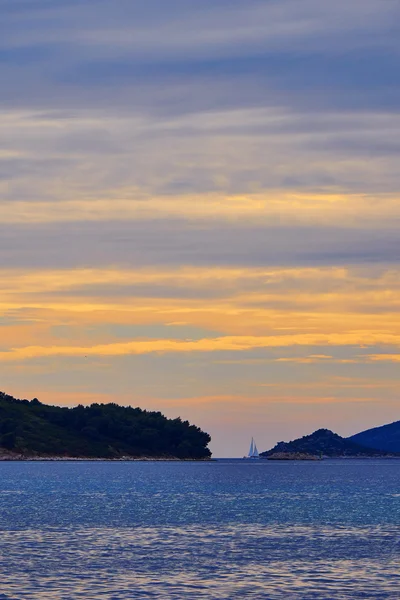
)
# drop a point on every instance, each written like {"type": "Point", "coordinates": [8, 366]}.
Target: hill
{"type": "Point", "coordinates": [323, 442]}
{"type": "Point", "coordinates": [31, 428]}
{"type": "Point", "coordinates": [385, 438]}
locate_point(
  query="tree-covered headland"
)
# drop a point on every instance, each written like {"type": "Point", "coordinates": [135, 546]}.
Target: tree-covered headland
{"type": "Point", "coordinates": [31, 428]}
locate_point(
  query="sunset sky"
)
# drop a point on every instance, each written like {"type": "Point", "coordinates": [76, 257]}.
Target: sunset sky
{"type": "Point", "coordinates": [199, 211]}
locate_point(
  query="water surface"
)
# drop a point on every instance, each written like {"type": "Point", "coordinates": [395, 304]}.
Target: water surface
{"type": "Point", "coordinates": [226, 529]}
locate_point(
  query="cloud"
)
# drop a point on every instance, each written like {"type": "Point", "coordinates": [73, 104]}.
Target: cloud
{"type": "Point", "coordinates": [100, 161]}
{"type": "Point", "coordinates": [291, 208]}
{"type": "Point", "coordinates": [174, 242]}
{"type": "Point", "coordinates": [390, 358]}
{"type": "Point", "coordinates": [226, 343]}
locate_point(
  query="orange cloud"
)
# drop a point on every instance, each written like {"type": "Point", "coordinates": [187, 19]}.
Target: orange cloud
{"type": "Point", "coordinates": [226, 343]}
{"type": "Point", "coordinates": [132, 204]}
{"type": "Point", "coordinates": [384, 357]}
{"type": "Point", "coordinates": [319, 307]}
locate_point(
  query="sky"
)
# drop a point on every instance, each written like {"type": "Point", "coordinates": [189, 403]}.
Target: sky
{"type": "Point", "coordinates": [199, 211]}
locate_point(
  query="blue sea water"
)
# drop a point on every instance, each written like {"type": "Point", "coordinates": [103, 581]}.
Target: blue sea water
{"type": "Point", "coordinates": [226, 529]}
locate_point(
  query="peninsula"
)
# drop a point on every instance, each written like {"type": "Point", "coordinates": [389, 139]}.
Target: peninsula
{"type": "Point", "coordinates": [30, 429]}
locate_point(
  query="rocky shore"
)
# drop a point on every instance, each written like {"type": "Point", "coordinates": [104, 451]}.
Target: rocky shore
{"type": "Point", "coordinates": [15, 457]}
{"type": "Point", "coordinates": [292, 456]}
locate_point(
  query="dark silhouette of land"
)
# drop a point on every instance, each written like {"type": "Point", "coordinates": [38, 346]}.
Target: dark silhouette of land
{"type": "Point", "coordinates": [324, 442]}
{"type": "Point", "coordinates": [385, 438]}
{"type": "Point", "coordinates": [32, 429]}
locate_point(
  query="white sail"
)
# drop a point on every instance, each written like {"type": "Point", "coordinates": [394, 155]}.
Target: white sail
{"type": "Point", "coordinates": [251, 451]}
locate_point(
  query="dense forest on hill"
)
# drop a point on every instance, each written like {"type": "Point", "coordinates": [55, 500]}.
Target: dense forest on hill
{"type": "Point", "coordinates": [97, 431]}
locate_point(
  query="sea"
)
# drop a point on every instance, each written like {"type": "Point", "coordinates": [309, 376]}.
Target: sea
{"type": "Point", "coordinates": [200, 530]}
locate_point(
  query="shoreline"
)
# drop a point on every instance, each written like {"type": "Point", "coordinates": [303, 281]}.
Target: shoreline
{"type": "Point", "coordinates": [21, 458]}
{"type": "Point", "coordinates": [323, 458]}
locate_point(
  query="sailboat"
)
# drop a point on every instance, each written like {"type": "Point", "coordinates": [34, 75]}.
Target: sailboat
{"type": "Point", "coordinates": [253, 452]}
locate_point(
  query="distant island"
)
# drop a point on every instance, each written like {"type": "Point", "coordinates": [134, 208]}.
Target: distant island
{"type": "Point", "coordinates": [374, 443]}
{"type": "Point", "coordinates": [30, 429]}
{"type": "Point", "coordinates": [386, 437]}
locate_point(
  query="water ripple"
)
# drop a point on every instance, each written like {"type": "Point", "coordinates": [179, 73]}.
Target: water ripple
{"type": "Point", "coordinates": [200, 562]}
{"type": "Point", "coordinates": [200, 531]}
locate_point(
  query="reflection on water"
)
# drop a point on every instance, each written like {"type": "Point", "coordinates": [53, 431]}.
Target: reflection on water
{"type": "Point", "coordinates": [200, 562]}
{"type": "Point", "coordinates": [293, 542]}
